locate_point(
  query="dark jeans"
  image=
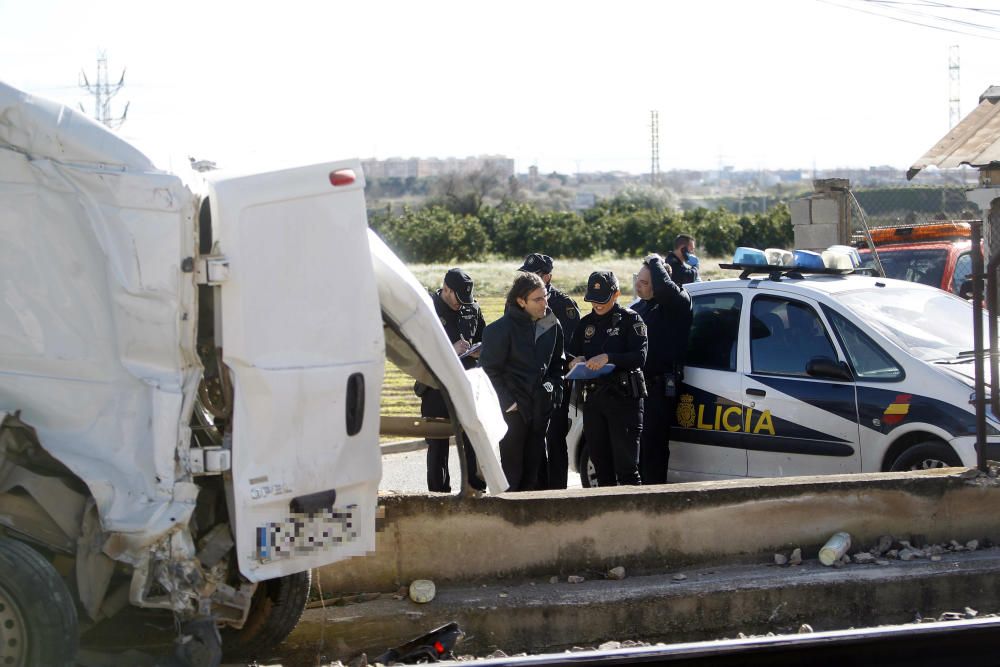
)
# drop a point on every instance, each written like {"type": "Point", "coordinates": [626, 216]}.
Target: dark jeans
{"type": "Point", "coordinates": [554, 472]}
{"type": "Point", "coordinates": [522, 450]}
{"type": "Point", "coordinates": [654, 448]}
{"type": "Point", "coordinates": [438, 479]}
{"type": "Point", "coordinates": [612, 426]}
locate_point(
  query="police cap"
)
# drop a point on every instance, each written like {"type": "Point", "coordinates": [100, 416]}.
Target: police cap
{"type": "Point", "coordinates": [601, 286]}
{"type": "Point", "coordinates": [537, 263]}
{"type": "Point", "coordinates": [459, 281]}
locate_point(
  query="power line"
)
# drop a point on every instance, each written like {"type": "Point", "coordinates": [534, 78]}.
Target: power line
{"type": "Point", "coordinates": [902, 20]}
{"type": "Point", "coordinates": [940, 5]}
{"type": "Point", "coordinates": [946, 19]}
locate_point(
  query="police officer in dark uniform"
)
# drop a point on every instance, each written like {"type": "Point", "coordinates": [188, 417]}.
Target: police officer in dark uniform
{"type": "Point", "coordinates": [665, 307]}
{"type": "Point", "coordinates": [568, 314]}
{"type": "Point", "coordinates": [612, 413]}
{"type": "Point", "coordinates": [463, 322]}
{"type": "Point", "coordinates": [682, 272]}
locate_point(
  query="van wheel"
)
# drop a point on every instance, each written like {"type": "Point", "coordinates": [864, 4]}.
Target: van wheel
{"type": "Point", "coordinates": [38, 622]}
{"type": "Point", "coordinates": [588, 473]}
{"type": "Point", "coordinates": [926, 456]}
{"type": "Point", "coordinates": [276, 608]}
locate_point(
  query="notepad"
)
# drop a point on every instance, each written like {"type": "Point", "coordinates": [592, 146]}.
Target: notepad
{"type": "Point", "coordinates": [471, 350]}
{"type": "Point", "coordinates": [581, 372]}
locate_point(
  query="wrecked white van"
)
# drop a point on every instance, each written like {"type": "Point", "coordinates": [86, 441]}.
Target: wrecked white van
{"type": "Point", "coordinates": [189, 386]}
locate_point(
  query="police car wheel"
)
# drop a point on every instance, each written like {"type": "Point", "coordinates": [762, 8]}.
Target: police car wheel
{"type": "Point", "coordinates": [926, 456]}
{"type": "Point", "coordinates": [588, 473]}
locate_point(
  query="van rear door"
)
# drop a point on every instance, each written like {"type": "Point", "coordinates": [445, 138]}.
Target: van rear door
{"type": "Point", "coordinates": [298, 321]}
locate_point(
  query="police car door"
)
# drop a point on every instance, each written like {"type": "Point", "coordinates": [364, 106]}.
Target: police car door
{"type": "Point", "coordinates": [300, 327]}
{"type": "Point", "coordinates": [706, 441]}
{"type": "Point", "coordinates": [796, 421]}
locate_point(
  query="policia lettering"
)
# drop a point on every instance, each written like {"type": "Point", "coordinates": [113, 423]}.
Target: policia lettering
{"type": "Point", "coordinates": [730, 418]}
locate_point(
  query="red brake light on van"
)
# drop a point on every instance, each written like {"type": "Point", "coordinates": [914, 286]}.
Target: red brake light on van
{"type": "Point", "coordinates": [342, 177]}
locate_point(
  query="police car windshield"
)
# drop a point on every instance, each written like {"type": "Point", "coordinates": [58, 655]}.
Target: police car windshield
{"type": "Point", "coordinates": [929, 324]}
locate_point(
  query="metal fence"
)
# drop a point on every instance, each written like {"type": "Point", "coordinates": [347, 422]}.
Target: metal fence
{"type": "Point", "coordinates": [913, 205]}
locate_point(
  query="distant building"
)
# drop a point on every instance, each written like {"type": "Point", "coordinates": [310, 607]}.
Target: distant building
{"type": "Point", "coordinates": [396, 167]}
{"type": "Point", "coordinates": [584, 201]}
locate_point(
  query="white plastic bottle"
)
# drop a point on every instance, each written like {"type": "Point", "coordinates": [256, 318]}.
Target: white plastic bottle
{"type": "Point", "coordinates": [835, 548]}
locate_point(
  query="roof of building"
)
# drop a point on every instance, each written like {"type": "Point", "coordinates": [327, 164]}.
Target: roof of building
{"type": "Point", "coordinates": [974, 141]}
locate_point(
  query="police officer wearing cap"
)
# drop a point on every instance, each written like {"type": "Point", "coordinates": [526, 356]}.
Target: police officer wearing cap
{"type": "Point", "coordinates": [568, 314]}
{"type": "Point", "coordinates": [463, 321]}
{"type": "Point", "coordinates": [612, 413]}
{"type": "Point", "coordinates": [665, 307]}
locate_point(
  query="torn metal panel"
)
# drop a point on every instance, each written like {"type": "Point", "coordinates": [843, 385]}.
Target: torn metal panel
{"type": "Point", "coordinates": [974, 141]}
{"type": "Point", "coordinates": [406, 304]}
{"type": "Point", "coordinates": [97, 320]}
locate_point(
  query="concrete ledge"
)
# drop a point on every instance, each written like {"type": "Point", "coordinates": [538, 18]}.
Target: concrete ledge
{"type": "Point", "coordinates": [711, 603]}
{"type": "Point", "coordinates": [456, 541]}
{"type": "Point", "coordinates": [403, 446]}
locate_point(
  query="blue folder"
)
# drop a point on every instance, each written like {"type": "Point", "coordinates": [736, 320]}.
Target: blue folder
{"type": "Point", "coordinates": [581, 372]}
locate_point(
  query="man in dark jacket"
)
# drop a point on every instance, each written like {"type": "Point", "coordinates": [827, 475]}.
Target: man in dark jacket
{"type": "Point", "coordinates": [665, 307]}
{"type": "Point", "coordinates": [568, 314]}
{"type": "Point", "coordinates": [523, 355]}
{"type": "Point", "coordinates": [681, 271]}
{"type": "Point", "coordinates": [463, 323]}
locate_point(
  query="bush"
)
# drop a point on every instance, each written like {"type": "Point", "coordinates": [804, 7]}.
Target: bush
{"type": "Point", "coordinates": [434, 235]}
{"type": "Point", "coordinates": [716, 231]}
{"type": "Point", "coordinates": [440, 234]}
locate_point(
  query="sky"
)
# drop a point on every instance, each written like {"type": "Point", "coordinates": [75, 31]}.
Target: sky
{"type": "Point", "coordinates": [567, 86]}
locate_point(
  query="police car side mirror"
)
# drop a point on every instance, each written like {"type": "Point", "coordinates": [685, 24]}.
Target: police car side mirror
{"type": "Point", "coordinates": [827, 368]}
{"type": "Point", "coordinates": [965, 291]}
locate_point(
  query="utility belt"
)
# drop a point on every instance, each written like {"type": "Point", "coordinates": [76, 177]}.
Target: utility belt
{"type": "Point", "coordinates": [623, 384]}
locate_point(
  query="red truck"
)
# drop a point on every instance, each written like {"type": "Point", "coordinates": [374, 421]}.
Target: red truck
{"type": "Point", "coordinates": [935, 254]}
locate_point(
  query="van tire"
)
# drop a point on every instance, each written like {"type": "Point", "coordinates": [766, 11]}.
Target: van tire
{"type": "Point", "coordinates": [926, 455]}
{"type": "Point", "coordinates": [588, 475]}
{"type": "Point", "coordinates": [38, 621]}
{"type": "Point", "coordinates": [276, 608]}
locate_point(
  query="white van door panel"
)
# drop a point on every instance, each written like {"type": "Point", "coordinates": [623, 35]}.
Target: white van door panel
{"type": "Point", "coordinates": [301, 334]}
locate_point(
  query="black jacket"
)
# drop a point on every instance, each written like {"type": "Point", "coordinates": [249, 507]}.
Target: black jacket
{"type": "Point", "coordinates": [520, 355]}
{"type": "Point", "coordinates": [565, 310]}
{"type": "Point", "coordinates": [683, 273]}
{"type": "Point", "coordinates": [467, 322]}
{"type": "Point", "coordinates": [620, 333]}
{"type": "Point", "coordinates": [668, 321]}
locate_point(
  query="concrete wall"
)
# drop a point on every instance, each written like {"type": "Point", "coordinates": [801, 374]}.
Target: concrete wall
{"type": "Point", "coordinates": [823, 218]}
{"type": "Point", "coordinates": [649, 529]}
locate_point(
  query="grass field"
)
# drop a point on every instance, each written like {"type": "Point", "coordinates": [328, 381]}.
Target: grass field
{"type": "Point", "coordinates": [493, 279]}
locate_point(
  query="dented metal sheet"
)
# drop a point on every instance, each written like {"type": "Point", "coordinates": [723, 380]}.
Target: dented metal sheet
{"type": "Point", "coordinates": [974, 141]}
{"type": "Point", "coordinates": [96, 318]}
{"type": "Point", "coordinates": [406, 303]}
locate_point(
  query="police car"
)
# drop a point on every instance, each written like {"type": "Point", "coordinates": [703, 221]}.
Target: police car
{"type": "Point", "coordinates": [796, 371]}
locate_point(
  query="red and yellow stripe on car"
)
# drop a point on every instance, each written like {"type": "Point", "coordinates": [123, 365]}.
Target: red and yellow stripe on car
{"type": "Point", "coordinates": [897, 410]}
